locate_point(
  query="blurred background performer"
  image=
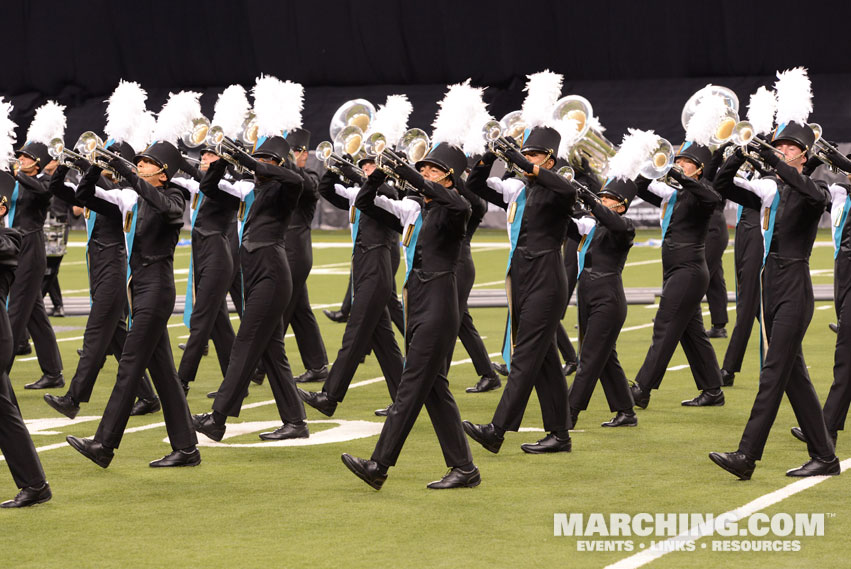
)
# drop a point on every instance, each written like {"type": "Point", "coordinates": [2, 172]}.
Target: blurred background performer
{"type": "Point", "coordinates": [265, 271]}
{"type": "Point", "coordinates": [538, 210]}
{"type": "Point", "coordinates": [206, 312]}
{"type": "Point", "coordinates": [15, 441]}
{"type": "Point", "coordinates": [687, 207]}
{"type": "Point", "coordinates": [299, 246]}
{"type": "Point", "coordinates": [433, 236]}
{"type": "Point", "coordinates": [57, 227]}
{"type": "Point", "coordinates": [27, 211]}
{"type": "Point", "coordinates": [368, 325]}
{"type": "Point", "coordinates": [151, 208]}
{"type": "Point", "coordinates": [792, 205]}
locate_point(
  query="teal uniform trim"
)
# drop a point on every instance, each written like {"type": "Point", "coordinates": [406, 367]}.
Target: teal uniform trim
{"type": "Point", "coordinates": [513, 235]}
{"type": "Point", "coordinates": [584, 251]}
{"type": "Point", "coordinates": [128, 240]}
{"type": "Point", "coordinates": [837, 230]}
{"type": "Point", "coordinates": [669, 212]}
{"type": "Point", "coordinates": [190, 293]}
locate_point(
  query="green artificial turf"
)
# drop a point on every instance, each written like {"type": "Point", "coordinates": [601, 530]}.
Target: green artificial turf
{"type": "Point", "coordinates": [273, 506]}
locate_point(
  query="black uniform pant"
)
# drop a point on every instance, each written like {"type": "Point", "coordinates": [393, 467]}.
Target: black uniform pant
{"type": "Point", "coordinates": [602, 312]}
{"type": "Point", "coordinates": [465, 273]}
{"type": "Point", "coordinates": [50, 284]}
{"type": "Point", "coordinates": [432, 309]}
{"type": "Point", "coordinates": [838, 400]}
{"type": "Point", "coordinates": [212, 266]}
{"type": "Point", "coordinates": [298, 313]}
{"type": "Point", "coordinates": [15, 441]}
{"type": "Point", "coordinates": [717, 239]}
{"type": "Point", "coordinates": [147, 345]}
{"type": "Point", "coordinates": [26, 305]}
{"type": "Point", "coordinates": [679, 320]}
{"type": "Point", "coordinates": [571, 266]}
{"type": "Point", "coordinates": [368, 325]}
{"type": "Point", "coordinates": [105, 327]}
{"type": "Point", "coordinates": [268, 289]}
{"type": "Point", "coordinates": [787, 311]}
{"type": "Point", "coordinates": [394, 305]}
{"type": "Point", "coordinates": [538, 298]}
{"type": "Point", "coordinates": [748, 257]}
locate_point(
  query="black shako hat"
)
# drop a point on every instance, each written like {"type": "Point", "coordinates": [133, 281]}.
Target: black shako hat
{"type": "Point", "coordinates": [799, 134]}
{"type": "Point", "coordinates": [298, 139]}
{"type": "Point", "coordinates": [37, 151]}
{"type": "Point", "coordinates": [622, 190]}
{"type": "Point", "coordinates": [7, 186]}
{"type": "Point", "coordinates": [448, 158]}
{"type": "Point", "coordinates": [122, 149]}
{"type": "Point", "coordinates": [697, 153]}
{"type": "Point", "coordinates": [542, 139]}
{"type": "Point", "coordinates": [274, 147]}
{"type": "Point", "coordinates": [164, 154]}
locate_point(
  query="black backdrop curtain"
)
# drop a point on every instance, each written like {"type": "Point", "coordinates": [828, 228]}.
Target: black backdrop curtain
{"type": "Point", "coordinates": [637, 62]}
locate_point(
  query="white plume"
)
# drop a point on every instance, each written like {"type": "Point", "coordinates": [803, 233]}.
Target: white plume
{"type": "Point", "coordinates": [48, 123]}
{"type": "Point", "coordinates": [457, 111]}
{"type": "Point", "coordinates": [794, 96]}
{"type": "Point", "coordinates": [175, 118]}
{"type": "Point", "coordinates": [124, 109]}
{"type": "Point", "coordinates": [231, 109]}
{"type": "Point", "coordinates": [761, 109]}
{"type": "Point", "coordinates": [568, 129]}
{"type": "Point", "coordinates": [708, 113]}
{"type": "Point", "coordinates": [474, 143]}
{"type": "Point", "coordinates": [543, 91]}
{"type": "Point", "coordinates": [277, 105]}
{"type": "Point", "coordinates": [143, 131]}
{"type": "Point", "coordinates": [7, 133]}
{"type": "Point", "coordinates": [636, 147]}
{"type": "Point", "coordinates": [391, 118]}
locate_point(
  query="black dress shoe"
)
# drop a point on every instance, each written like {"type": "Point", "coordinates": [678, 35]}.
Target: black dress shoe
{"type": "Point", "coordinates": [24, 350]}
{"type": "Point", "coordinates": [92, 450]}
{"type": "Point", "coordinates": [336, 316]}
{"type": "Point", "coordinates": [178, 458]}
{"type": "Point", "coordinates": [29, 496]}
{"type": "Point", "coordinates": [834, 327]}
{"type": "Point", "coordinates": [569, 368]}
{"type": "Point", "coordinates": [47, 381]}
{"type": "Point", "coordinates": [63, 403]}
{"type": "Point", "coordinates": [727, 378]}
{"type": "Point", "coordinates": [817, 467]}
{"type": "Point", "coordinates": [367, 470]}
{"type": "Point", "coordinates": [205, 425]}
{"type": "Point", "coordinates": [258, 377]}
{"type": "Point", "coordinates": [319, 401]}
{"type": "Point", "coordinates": [79, 351]}
{"type": "Point", "coordinates": [799, 434]}
{"type": "Point", "coordinates": [383, 412]}
{"type": "Point", "coordinates": [487, 383]}
{"type": "Point", "coordinates": [57, 312]}
{"type": "Point", "coordinates": [485, 435]}
{"type": "Point", "coordinates": [457, 478]}
{"type": "Point", "coordinates": [311, 375]}
{"type": "Point", "coordinates": [705, 399]}
{"type": "Point", "coordinates": [206, 351]}
{"type": "Point", "coordinates": [550, 443]}
{"type": "Point", "coordinates": [287, 431]}
{"type": "Point", "coordinates": [622, 419]}
{"type": "Point", "coordinates": [640, 397]}
{"type": "Point", "coordinates": [145, 406]}
{"type": "Point", "coordinates": [736, 463]}
{"type": "Point", "coordinates": [717, 332]}
{"type": "Point", "coordinates": [501, 369]}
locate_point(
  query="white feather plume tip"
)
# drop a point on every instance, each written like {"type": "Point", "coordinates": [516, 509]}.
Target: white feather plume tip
{"type": "Point", "coordinates": [474, 143]}
{"type": "Point", "coordinates": [457, 110]}
{"type": "Point", "coordinates": [176, 116]}
{"type": "Point", "coordinates": [761, 109]}
{"type": "Point", "coordinates": [543, 91]}
{"type": "Point", "coordinates": [7, 133]}
{"type": "Point", "coordinates": [568, 129]}
{"type": "Point", "coordinates": [277, 105]}
{"type": "Point", "coordinates": [124, 110]}
{"type": "Point", "coordinates": [704, 122]}
{"type": "Point", "coordinates": [48, 123]}
{"type": "Point", "coordinates": [231, 109]}
{"type": "Point", "coordinates": [143, 131]}
{"type": "Point", "coordinates": [391, 118]}
{"type": "Point", "coordinates": [636, 147]}
{"type": "Point", "coordinates": [794, 96]}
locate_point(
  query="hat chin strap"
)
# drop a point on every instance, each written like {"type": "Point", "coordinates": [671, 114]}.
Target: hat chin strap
{"type": "Point", "coordinates": [152, 174]}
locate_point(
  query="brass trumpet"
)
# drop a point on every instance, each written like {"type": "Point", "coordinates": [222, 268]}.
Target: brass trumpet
{"type": "Point", "coordinates": [499, 145]}
{"type": "Point", "coordinates": [90, 145]}
{"type": "Point", "coordinates": [61, 154]}
{"type": "Point", "coordinates": [195, 136]}
{"type": "Point", "coordinates": [659, 162]}
{"type": "Point", "coordinates": [325, 154]}
{"type": "Point", "coordinates": [225, 147]}
{"type": "Point", "coordinates": [822, 149]}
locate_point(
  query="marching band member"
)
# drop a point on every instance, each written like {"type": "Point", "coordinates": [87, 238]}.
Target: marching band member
{"type": "Point", "coordinates": [151, 208]}
{"type": "Point", "coordinates": [791, 205]}
{"type": "Point", "coordinates": [27, 211]}
{"type": "Point", "coordinates": [686, 212]}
